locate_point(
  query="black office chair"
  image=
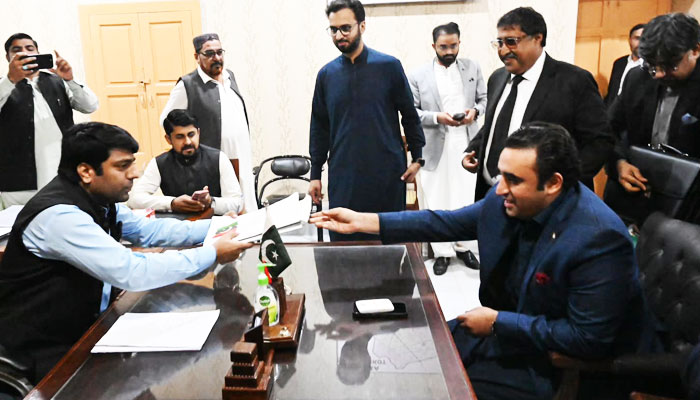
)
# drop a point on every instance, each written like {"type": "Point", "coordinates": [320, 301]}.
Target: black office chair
{"type": "Point", "coordinates": [286, 167]}
{"type": "Point", "coordinates": [13, 377]}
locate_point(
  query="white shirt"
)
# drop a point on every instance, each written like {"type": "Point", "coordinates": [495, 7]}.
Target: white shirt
{"type": "Point", "coordinates": [630, 64]}
{"type": "Point", "coordinates": [525, 90]}
{"type": "Point", "coordinates": [451, 90]}
{"type": "Point", "coordinates": [143, 194]}
{"type": "Point", "coordinates": [235, 137]}
{"type": "Point", "coordinates": [47, 134]}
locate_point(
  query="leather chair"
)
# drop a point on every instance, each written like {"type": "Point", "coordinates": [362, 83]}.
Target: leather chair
{"type": "Point", "coordinates": [13, 376]}
{"type": "Point", "coordinates": [668, 256]}
{"type": "Point", "coordinates": [286, 167]}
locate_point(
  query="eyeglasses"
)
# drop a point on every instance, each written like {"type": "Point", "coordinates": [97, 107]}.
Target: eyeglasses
{"type": "Point", "coordinates": [344, 29]}
{"type": "Point", "coordinates": [509, 42]}
{"type": "Point", "coordinates": [212, 53]}
{"type": "Point", "coordinates": [665, 69]}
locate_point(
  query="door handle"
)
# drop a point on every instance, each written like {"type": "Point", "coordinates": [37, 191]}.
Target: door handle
{"type": "Point", "coordinates": [142, 100]}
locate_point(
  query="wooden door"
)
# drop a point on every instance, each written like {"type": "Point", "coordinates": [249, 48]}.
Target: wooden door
{"type": "Point", "coordinates": [134, 54]}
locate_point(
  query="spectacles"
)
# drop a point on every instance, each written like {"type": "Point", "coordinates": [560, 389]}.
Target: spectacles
{"type": "Point", "coordinates": [344, 29]}
{"type": "Point", "coordinates": [212, 53]}
{"type": "Point", "coordinates": [665, 69]}
{"type": "Point", "coordinates": [509, 42]}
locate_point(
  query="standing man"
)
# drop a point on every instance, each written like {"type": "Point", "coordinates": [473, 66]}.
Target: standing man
{"type": "Point", "coordinates": [659, 104]}
{"type": "Point", "coordinates": [444, 87]}
{"type": "Point", "coordinates": [624, 64]}
{"type": "Point", "coordinates": [535, 87]}
{"type": "Point", "coordinates": [211, 95]}
{"type": "Point", "coordinates": [36, 109]}
{"type": "Point", "coordinates": [355, 124]}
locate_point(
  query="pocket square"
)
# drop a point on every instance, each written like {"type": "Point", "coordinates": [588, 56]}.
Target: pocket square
{"type": "Point", "coordinates": [542, 279]}
{"type": "Point", "coordinates": [688, 119]}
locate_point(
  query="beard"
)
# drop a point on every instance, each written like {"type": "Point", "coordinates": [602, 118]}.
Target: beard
{"type": "Point", "coordinates": [351, 47]}
{"type": "Point", "coordinates": [447, 60]}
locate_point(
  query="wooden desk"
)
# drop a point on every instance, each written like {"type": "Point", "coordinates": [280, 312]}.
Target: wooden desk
{"type": "Point", "coordinates": [337, 357]}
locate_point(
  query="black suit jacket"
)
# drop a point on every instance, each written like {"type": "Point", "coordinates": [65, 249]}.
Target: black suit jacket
{"type": "Point", "coordinates": [566, 95]}
{"type": "Point", "coordinates": [615, 77]}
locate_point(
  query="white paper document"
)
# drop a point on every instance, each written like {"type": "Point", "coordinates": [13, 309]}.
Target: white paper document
{"type": "Point", "coordinates": [287, 215]}
{"type": "Point", "coordinates": [169, 331]}
{"type": "Point", "coordinates": [8, 216]}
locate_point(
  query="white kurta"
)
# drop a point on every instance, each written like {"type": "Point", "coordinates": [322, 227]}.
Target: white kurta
{"type": "Point", "coordinates": [449, 186]}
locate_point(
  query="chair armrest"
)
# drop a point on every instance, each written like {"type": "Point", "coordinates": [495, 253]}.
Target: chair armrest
{"type": "Point", "coordinates": [659, 364]}
{"type": "Point", "coordinates": [562, 361]}
{"type": "Point", "coordinates": [644, 396]}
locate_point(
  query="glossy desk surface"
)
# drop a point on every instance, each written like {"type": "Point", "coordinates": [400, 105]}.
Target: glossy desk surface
{"type": "Point", "coordinates": [337, 358]}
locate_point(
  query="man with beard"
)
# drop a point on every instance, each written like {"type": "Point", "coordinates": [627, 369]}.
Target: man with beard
{"type": "Point", "coordinates": [624, 64]}
{"type": "Point", "coordinates": [192, 177]}
{"type": "Point", "coordinates": [64, 254]}
{"type": "Point", "coordinates": [355, 124]}
{"type": "Point", "coordinates": [444, 87]}
{"type": "Point", "coordinates": [211, 95]}
{"type": "Point", "coordinates": [659, 104]}
{"type": "Point", "coordinates": [535, 87]}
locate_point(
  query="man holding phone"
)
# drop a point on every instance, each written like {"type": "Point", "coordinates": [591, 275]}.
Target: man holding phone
{"type": "Point", "coordinates": [448, 93]}
{"type": "Point", "coordinates": [192, 177]}
{"type": "Point", "coordinates": [36, 109]}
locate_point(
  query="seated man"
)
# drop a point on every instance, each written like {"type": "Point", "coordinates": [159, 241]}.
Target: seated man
{"type": "Point", "coordinates": [64, 257]}
{"type": "Point", "coordinates": [186, 169]}
{"type": "Point", "coordinates": [557, 267]}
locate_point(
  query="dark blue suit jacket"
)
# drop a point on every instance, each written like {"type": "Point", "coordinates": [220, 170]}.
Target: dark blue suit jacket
{"type": "Point", "coordinates": [587, 301]}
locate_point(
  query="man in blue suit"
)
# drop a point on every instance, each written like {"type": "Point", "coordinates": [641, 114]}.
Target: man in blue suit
{"type": "Point", "coordinates": [557, 267]}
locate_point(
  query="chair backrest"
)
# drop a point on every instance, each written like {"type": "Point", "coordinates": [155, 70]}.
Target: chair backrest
{"type": "Point", "coordinates": [284, 168]}
{"type": "Point", "coordinates": [668, 254]}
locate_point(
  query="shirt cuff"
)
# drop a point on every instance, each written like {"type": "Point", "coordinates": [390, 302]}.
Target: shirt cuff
{"type": "Point", "coordinates": [417, 153]}
{"type": "Point", "coordinates": [435, 121]}
{"type": "Point", "coordinates": [506, 323]}
{"type": "Point", "coordinates": [316, 172]}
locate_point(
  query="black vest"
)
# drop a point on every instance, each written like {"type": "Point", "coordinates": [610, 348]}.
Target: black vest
{"type": "Point", "coordinates": [203, 103]}
{"type": "Point", "coordinates": [46, 305]}
{"type": "Point", "coordinates": [180, 175]}
{"type": "Point", "coordinates": [17, 163]}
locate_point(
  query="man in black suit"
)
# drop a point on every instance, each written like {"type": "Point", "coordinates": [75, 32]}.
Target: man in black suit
{"type": "Point", "coordinates": [659, 104]}
{"type": "Point", "coordinates": [624, 64]}
{"type": "Point", "coordinates": [535, 87]}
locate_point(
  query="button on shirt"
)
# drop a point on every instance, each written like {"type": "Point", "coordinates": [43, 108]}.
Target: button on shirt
{"type": "Point", "coordinates": [525, 90]}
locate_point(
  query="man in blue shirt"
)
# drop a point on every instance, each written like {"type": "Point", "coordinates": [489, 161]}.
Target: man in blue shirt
{"type": "Point", "coordinates": [355, 124]}
{"type": "Point", "coordinates": [64, 253]}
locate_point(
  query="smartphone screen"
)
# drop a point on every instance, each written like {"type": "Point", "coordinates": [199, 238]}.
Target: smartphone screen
{"type": "Point", "coordinates": [43, 61]}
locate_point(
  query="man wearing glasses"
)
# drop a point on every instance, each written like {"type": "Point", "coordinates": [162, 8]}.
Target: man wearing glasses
{"type": "Point", "coordinates": [535, 87]}
{"type": "Point", "coordinates": [355, 124]}
{"type": "Point", "coordinates": [211, 95]}
{"type": "Point", "coordinates": [659, 103]}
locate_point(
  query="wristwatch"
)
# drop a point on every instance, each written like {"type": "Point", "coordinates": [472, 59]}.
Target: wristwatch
{"type": "Point", "coordinates": [419, 160]}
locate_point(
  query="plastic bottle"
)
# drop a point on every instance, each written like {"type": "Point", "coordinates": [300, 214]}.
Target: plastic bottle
{"type": "Point", "coordinates": [266, 297]}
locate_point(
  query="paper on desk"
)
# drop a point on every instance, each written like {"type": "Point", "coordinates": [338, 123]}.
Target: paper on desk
{"type": "Point", "coordinates": [9, 215]}
{"type": "Point", "coordinates": [170, 331]}
{"type": "Point", "coordinates": [287, 215]}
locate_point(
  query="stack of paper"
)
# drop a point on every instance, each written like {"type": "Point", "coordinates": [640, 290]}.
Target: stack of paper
{"type": "Point", "coordinates": [287, 215]}
{"type": "Point", "coordinates": [7, 219]}
{"type": "Point", "coordinates": [172, 331]}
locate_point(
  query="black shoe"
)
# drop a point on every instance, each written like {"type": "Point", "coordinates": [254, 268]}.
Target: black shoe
{"type": "Point", "coordinates": [469, 259]}
{"type": "Point", "coordinates": [440, 266]}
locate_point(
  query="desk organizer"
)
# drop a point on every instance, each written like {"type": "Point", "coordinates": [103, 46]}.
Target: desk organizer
{"type": "Point", "coordinates": [249, 378]}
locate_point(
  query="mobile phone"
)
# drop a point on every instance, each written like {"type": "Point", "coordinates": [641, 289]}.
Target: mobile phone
{"type": "Point", "coordinates": [199, 195]}
{"type": "Point", "coordinates": [459, 116]}
{"type": "Point", "coordinates": [43, 61]}
{"type": "Point", "coordinates": [399, 312]}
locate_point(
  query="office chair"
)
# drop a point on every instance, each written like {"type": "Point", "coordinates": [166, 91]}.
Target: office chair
{"type": "Point", "coordinates": [13, 376]}
{"type": "Point", "coordinates": [286, 167]}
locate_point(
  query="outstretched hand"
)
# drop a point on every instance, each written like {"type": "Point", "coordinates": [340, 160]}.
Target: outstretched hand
{"type": "Point", "coordinates": [346, 221]}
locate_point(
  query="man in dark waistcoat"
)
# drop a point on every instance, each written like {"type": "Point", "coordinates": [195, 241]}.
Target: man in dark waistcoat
{"type": "Point", "coordinates": [192, 177]}
{"type": "Point", "coordinates": [36, 109]}
{"type": "Point", "coordinates": [64, 259]}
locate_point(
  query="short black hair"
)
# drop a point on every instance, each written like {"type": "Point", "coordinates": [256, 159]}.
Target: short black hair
{"type": "Point", "coordinates": [530, 22]}
{"type": "Point", "coordinates": [178, 118]}
{"type": "Point", "coordinates": [634, 28]}
{"type": "Point", "coordinates": [91, 143]}
{"type": "Point", "coordinates": [667, 37]}
{"type": "Point", "coordinates": [446, 29]}
{"type": "Point", "coordinates": [354, 5]}
{"type": "Point", "coordinates": [199, 41]}
{"type": "Point", "coordinates": [556, 151]}
{"type": "Point", "coordinates": [8, 42]}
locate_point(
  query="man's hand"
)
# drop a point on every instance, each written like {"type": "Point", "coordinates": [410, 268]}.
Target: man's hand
{"type": "Point", "coordinates": [410, 174]}
{"type": "Point", "coordinates": [470, 163]}
{"type": "Point", "coordinates": [630, 177]}
{"type": "Point", "coordinates": [315, 191]}
{"type": "Point", "coordinates": [63, 69]}
{"type": "Point", "coordinates": [445, 118]}
{"type": "Point", "coordinates": [470, 115]}
{"type": "Point", "coordinates": [346, 221]}
{"type": "Point", "coordinates": [205, 198]}
{"type": "Point", "coordinates": [227, 249]}
{"type": "Point", "coordinates": [185, 204]}
{"type": "Point", "coordinates": [479, 321]}
{"type": "Point", "coordinates": [20, 69]}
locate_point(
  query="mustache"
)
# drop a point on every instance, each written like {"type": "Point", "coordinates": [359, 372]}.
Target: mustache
{"type": "Point", "coordinates": [509, 55]}
{"type": "Point", "coordinates": [188, 147]}
{"type": "Point", "coordinates": [216, 63]}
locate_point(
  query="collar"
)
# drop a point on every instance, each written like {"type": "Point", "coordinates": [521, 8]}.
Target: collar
{"type": "Point", "coordinates": [206, 78]}
{"type": "Point", "coordinates": [436, 64]}
{"type": "Point", "coordinates": [361, 59]}
{"type": "Point", "coordinates": [533, 74]}
{"type": "Point", "coordinates": [543, 216]}
{"type": "Point", "coordinates": [639, 61]}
